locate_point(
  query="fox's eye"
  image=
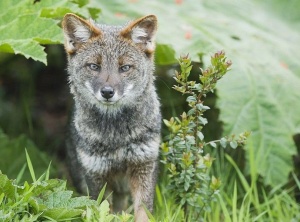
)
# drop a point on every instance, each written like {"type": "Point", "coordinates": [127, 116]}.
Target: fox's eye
{"type": "Point", "coordinates": [125, 68]}
{"type": "Point", "coordinates": [94, 66]}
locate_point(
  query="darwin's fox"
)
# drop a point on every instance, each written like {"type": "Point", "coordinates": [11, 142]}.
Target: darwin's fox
{"type": "Point", "coordinates": [115, 128]}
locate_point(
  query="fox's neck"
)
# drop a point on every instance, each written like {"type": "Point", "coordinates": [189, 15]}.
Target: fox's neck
{"type": "Point", "coordinates": [110, 129]}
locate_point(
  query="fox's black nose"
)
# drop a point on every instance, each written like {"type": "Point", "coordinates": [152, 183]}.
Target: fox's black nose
{"type": "Point", "coordinates": [107, 92]}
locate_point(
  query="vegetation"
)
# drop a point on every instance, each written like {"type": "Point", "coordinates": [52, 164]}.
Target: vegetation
{"type": "Point", "coordinates": [48, 199]}
{"type": "Point", "coordinates": [188, 167]}
{"type": "Point", "coordinates": [257, 182]}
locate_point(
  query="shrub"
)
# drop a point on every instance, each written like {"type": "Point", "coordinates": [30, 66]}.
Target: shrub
{"type": "Point", "coordinates": [188, 165]}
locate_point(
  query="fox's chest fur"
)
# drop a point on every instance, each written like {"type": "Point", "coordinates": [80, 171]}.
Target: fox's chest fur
{"type": "Point", "coordinates": [108, 141]}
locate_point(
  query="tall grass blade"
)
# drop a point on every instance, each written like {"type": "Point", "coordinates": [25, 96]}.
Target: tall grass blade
{"type": "Point", "coordinates": [268, 206]}
{"type": "Point", "coordinates": [101, 194]}
{"type": "Point", "coordinates": [296, 180]}
{"type": "Point", "coordinates": [224, 209]}
{"type": "Point", "coordinates": [159, 198]}
{"type": "Point", "coordinates": [253, 173]}
{"type": "Point", "coordinates": [31, 170]}
{"type": "Point", "coordinates": [234, 204]}
{"type": "Point", "coordinates": [20, 174]}
{"type": "Point", "coordinates": [245, 208]}
{"type": "Point", "coordinates": [47, 176]}
{"type": "Point", "coordinates": [150, 216]}
{"type": "Point", "coordinates": [240, 174]}
{"type": "Point", "coordinates": [176, 214]}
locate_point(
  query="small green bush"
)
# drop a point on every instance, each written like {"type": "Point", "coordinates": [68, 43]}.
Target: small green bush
{"type": "Point", "coordinates": [50, 200]}
{"type": "Point", "coordinates": [188, 166]}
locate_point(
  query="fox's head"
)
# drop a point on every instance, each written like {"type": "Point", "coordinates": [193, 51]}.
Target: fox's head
{"type": "Point", "coordinates": [109, 65]}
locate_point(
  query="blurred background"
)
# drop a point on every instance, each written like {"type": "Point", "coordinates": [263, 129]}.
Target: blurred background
{"type": "Point", "coordinates": [260, 94]}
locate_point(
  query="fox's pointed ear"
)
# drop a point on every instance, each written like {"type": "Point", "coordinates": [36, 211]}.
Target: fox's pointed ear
{"type": "Point", "coordinates": [142, 32]}
{"type": "Point", "coordinates": [77, 31]}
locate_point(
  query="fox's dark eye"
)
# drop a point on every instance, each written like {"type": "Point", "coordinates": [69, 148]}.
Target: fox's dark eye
{"type": "Point", "coordinates": [94, 66]}
{"type": "Point", "coordinates": [125, 68]}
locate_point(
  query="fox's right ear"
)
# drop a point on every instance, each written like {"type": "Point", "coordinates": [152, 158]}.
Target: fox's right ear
{"type": "Point", "coordinates": [142, 33]}
{"type": "Point", "coordinates": [77, 31]}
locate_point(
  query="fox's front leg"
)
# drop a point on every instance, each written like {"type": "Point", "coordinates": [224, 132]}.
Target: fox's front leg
{"type": "Point", "coordinates": [95, 183]}
{"type": "Point", "coordinates": [142, 184]}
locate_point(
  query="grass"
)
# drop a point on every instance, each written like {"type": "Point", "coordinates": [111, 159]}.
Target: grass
{"type": "Point", "coordinates": [246, 199]}
{"type": "Point", "coordinates": [240, 200]}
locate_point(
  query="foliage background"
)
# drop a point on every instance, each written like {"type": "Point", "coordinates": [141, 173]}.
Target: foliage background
{"type": "Point", "coordinates": [261, 94]}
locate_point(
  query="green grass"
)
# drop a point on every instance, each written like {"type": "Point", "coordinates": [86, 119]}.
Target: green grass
{"type": "Point", "coordinates": [240, 200]}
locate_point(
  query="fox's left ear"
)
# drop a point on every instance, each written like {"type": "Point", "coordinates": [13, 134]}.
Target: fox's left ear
{"type": "Point", "coordinates": [78, 31]}
{"type": "Point", "coordinates": [142, 32]}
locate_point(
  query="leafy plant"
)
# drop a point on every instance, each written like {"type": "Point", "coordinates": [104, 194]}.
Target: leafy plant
{"type": "Point", "coordinates": [183, 151]}
{"type": "Point", "coordinates": [48, 199]}
{"type": "Point", "coordinates": [26, 25]}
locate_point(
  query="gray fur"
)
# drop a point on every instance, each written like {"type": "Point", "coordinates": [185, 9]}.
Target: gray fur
{"type": "Point", "coordinates": [116, 140]}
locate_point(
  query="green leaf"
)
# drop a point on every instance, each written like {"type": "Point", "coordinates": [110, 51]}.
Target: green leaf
{"type": "Point", "coordinates": [233, 144]}
{"type": "Point", "coordinates": [186, 185]}
{"type": "Point", "coordinates": [213, 144]}
{"type": "Point", "coordinates": [31, 170]}
{"type": "Point", "coordinates": [202, 120]}
{"type": "Point", "coordinates": [167, 123]}
{"type": "Point", "coordinates": [6, 186]}
{"type": "Point", "coordinates": [191, 99]}
{"type": "Point", "coordinates": [101, 194]}
{"type": "Point", "coordinates": [104, 209]}
{"type": "Point", "coordinates": [200, 135]}
{"type": "Point", "coordinates": [164, 54]}
{"type": "Point", "coordinates": [266, 83]}
{"type": "Point", "coordinates": [58, 199]}
{"type": "Point", "coordinates": [52, 184]}
{"type": "Point", "coordinates": [61, 213]}
{"type": "Point", "coordinates": [201, 107]}
{"type": "Point", "coordinates": [263, 44]}
{"type": "Point", "coordinates": [80, 202]}
{"type": "Point", "coordinates": [25, 25]}
{"type": "Point", "coordinates": [223, 142]}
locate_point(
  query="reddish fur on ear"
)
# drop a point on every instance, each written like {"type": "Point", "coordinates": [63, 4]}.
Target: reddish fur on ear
{"type": "Point", "coordinates": [142, 32]}
{"type": "Point", "coordinates": [144, 21]}
{"type": "Point", "coordinates": [70, 16]}
{"type": "Point", "coordinates": [77, 31]}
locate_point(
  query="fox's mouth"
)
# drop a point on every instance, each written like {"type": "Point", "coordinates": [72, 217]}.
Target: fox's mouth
{"type": "Point", "coordinates": [108, 102]}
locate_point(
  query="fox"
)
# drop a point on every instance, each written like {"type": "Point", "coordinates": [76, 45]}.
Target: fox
{"type": "Point", "coordinates": [114, 132]}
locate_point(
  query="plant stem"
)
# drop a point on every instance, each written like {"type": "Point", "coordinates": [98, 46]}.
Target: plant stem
{"type": "Point", "coordinates": [185, 210]}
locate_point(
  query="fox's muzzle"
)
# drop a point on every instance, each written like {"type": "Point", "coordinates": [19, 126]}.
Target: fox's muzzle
{"type": "Point", "coordinates": [107, 92]}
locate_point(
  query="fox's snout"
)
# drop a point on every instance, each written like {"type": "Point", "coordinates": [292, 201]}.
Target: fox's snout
{"type": "Point", "coordinates": [103, 93]}
{"type": "Point", "coordinates": [107, 92]}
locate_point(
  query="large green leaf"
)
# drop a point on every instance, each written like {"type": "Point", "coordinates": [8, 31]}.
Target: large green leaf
{"type": "Point", "coordinates": [25, 25]}
{"type": "Point", "coordinates": [261, 93]}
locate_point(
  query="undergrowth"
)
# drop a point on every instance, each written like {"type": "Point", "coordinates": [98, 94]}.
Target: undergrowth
{"type": "Point", "coordinates": [187, 192]}
{"type": "Point", "coordinates": [48, 199]}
